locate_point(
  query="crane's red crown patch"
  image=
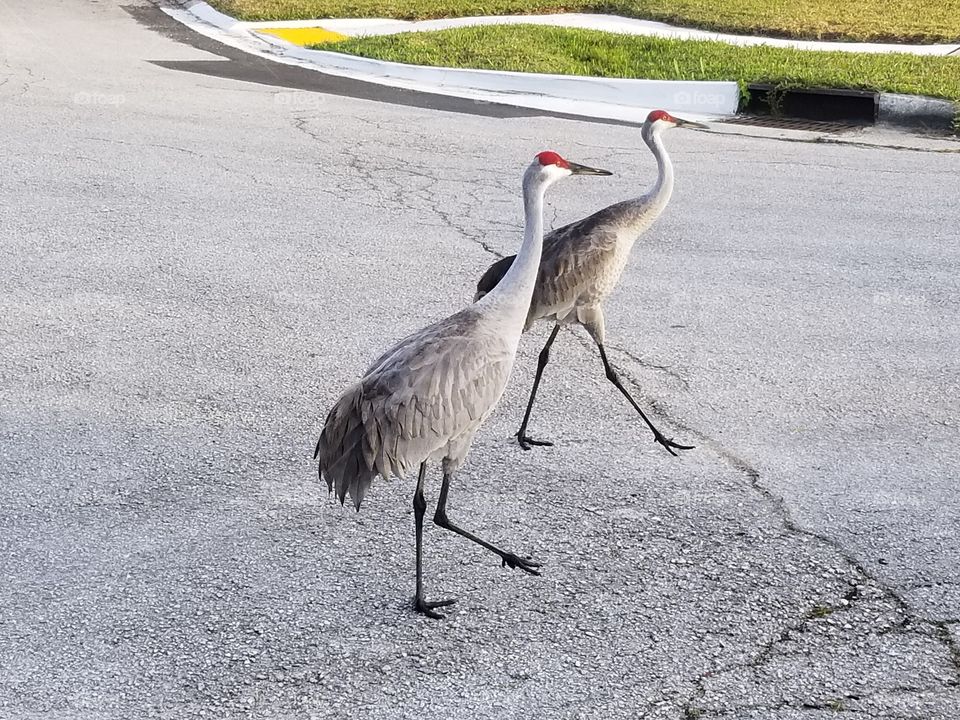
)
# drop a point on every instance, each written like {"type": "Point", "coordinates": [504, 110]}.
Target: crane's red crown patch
{"type": "Point", "coordinates": [548, 157]}
{"type": "Point", "coordinates": [660, 115]}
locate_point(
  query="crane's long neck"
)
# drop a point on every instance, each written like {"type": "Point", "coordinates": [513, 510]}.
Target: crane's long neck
{"type": "Point", "coordinates": [660, 194]}
{"type": "Point", "coordinates": [647, 208]}
{"type": "Point", "coordinates": [512, 294]}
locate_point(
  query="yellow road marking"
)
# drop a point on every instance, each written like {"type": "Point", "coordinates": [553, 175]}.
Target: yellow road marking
{"type": "Point", "coordinates": [304, 36]}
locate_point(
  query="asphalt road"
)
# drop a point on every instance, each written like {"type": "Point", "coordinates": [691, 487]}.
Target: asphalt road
{"type": "Point", "coordinates": [199, 253]}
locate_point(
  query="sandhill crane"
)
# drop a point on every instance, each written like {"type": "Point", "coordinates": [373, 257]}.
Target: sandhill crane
{"type": "Point", "coordinates": [425, 397]}
{"type": "Point", "coordinates": [582, 262]}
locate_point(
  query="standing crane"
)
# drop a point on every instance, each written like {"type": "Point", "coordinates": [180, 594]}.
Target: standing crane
{"type": "Point", "coordinates": [425, 398]}
{"type": "Point", "coordinates": [581, 264]}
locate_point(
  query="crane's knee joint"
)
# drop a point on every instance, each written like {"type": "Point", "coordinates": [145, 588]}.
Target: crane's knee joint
{"type": "Point", "coordinates": [419, 503]}
{"type": "Point", "coordinates": [440, 518]}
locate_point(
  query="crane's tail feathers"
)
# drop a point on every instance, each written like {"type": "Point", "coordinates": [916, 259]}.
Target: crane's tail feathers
{"type": "Point", "coordinates": [343, 450]}
{"type": "Point", "coordinates": [350, 478]}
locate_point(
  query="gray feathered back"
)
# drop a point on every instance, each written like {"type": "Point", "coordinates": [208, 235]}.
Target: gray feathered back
{"type": "Point", "coordinates": [428, 394]}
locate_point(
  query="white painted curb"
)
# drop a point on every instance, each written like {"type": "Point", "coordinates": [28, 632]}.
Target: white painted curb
{"type": "Point", "coordinates": [207, 14]}
{"type": "Point", "coordinates": [626, 99]}
{"type": "Point", "coordinates": [606, 98]}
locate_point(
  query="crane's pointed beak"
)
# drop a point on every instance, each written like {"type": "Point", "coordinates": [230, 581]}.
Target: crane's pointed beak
{"type": "Point", "coordinates": [577, 169]}
{"type": "Point", "coordinates": [690, 124]}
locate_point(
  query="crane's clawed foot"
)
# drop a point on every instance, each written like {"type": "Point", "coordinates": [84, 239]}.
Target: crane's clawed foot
{"type": "Point", "coordinates": [670, 445]}
{"type": "Point", "coordinates": [426, 607]}
{"type": "Point", "coordinates": [515, 561]}
{"type": "Point", "coordinates": [527, 442]}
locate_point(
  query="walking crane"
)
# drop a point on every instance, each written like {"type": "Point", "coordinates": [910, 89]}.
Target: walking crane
{"type": "Point", "coordinates": [581, 264]}
{"type": "Point", "coordinates": [425, 398]}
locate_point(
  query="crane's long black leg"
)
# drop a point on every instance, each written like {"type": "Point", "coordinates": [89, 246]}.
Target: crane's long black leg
{"type": "Point", "coordinates": [507, 558]}
{"type": "Point", "coordinates": [526, 442]}
{"type": "Point", "coordinates": [658, 436]}
{"type": "Point", "coordinates": [419, 508]}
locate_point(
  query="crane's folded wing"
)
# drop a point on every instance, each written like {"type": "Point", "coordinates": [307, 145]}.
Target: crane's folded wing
{"type": "Point", "coordinates": [434, 387]}
{"type": "Point", "coordinates": [413, 409]}
{"type": "Point", "coordinates": [573, 256]}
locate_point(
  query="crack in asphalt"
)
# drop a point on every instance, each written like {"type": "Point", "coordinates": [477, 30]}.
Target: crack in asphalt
{"type": "Point", "coordinates": [475, 237]}
{"type": "Point", "coordinates": [301, 124]}
{"type": "Point", "coordinates": [812, 140]}
{"type": "Point", "coordinates": [186, 151]}
{"type": "Point", "coordinates": [866, 145]}
{"type": "Point", "coordinates": [114, 141]}
{"type": "Point", "coordinates": [827, 140]}
{"type": "Point", "coordinates": [25, 83]}
{"type": "Point", "coordinates": [932, 583]}
{"type": "Point", "coordinates": [342, 192]}
{"type": "Point", "coordinates": [938, 630]}
{"type": "Point", "coordinates": [836, 704]}
{"type": "Point", "coordinates": [396, 191]}
{"type": "Point", "coordinates": [647, 364]}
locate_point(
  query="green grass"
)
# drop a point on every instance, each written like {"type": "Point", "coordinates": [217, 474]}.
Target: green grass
{"type": "Point", "coordinates": [917, 21]}
{"type": "Point", "coordinates": [821, 611]}
{"type": "Point", "coordinates": [530, 48]}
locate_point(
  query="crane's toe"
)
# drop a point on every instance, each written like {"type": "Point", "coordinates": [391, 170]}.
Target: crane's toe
{"type": "Point", "coordinates": [519, 563]}
{"type": "Point", "coordinates": [670, 445]}
{"type": "Point", "coordinates": [426, 607]}
{"type": "Point", "coordinates": [527, 442]}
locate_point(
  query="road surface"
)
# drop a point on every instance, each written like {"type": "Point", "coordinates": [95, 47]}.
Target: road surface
{"type": "Point", "coordinates": [202, 249]}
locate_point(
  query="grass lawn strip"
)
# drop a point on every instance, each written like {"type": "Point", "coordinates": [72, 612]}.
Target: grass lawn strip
{"type": "Point", "coordinates": [565, 51]}
{"type": "Point", "coordinates": [908, 21]}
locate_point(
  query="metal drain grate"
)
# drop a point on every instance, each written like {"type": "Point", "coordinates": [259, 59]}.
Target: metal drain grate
{"type": "Point", "coordinates": [784, 123]}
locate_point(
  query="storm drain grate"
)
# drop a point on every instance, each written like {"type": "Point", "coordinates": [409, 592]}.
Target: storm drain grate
{"type": "Point", "coordinates": [785, 123]}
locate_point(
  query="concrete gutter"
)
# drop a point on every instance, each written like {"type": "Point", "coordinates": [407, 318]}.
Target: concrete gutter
{"type": "Point", "coordinates": [605, 98]}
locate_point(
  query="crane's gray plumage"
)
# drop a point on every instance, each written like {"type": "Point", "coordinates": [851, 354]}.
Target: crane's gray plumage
{"type": "Point", "coordinates": [572, 255]}
{"type": "Point", "coordinates": [424, 398]}
{"type": "Point", "coordinates": [421, 400]}
{"type": "Point", "coordinates": [582, 262]}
